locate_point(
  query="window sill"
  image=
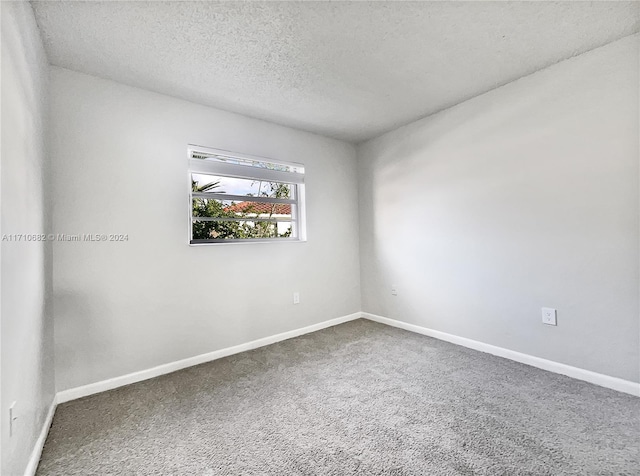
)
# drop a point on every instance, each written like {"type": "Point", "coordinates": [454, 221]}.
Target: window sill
{"type": "Point", "coordinates": [247, 242]}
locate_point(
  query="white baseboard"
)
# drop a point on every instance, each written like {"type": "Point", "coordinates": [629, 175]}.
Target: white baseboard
{"type": "Point", "coordinates": [34, 459]}
{"type": "Point", "coordinates": [109, 384]}
{"type": "Point", "coordinates": [614, 383]}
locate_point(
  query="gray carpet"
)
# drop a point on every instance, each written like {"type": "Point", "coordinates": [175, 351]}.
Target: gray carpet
{"type": "Point", "coordinates": [360, 398]}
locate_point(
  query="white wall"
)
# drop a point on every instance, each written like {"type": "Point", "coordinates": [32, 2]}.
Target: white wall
{"type": "Point", "coordinates": [120, 166]}
{"type": "Point", "coordinates": [27, 323]}
{"type": "Point", "coordinates": [524, 197]}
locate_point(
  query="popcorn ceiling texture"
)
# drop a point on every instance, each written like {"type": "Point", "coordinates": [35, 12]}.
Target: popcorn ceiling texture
{"type": "Point", "coordinates": [349, 70]}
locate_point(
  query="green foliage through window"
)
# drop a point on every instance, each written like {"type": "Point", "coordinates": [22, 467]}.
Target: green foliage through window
{"type": "Point", "coordinates": [240, 220]}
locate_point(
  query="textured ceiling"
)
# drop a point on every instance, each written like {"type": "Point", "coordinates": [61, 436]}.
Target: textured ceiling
{"type": "Point", "coordinates": [349, 70]}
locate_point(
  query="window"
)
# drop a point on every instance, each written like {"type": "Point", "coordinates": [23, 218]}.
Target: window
{"type": "Point", "coordinates": [238, 198]}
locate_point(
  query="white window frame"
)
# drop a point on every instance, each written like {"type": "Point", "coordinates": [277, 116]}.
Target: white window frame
{"type": "Point", "coordinates": [220, 168]}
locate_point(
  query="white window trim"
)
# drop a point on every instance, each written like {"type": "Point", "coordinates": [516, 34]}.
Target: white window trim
{"type": "Point", "coordinates": [298, 219]}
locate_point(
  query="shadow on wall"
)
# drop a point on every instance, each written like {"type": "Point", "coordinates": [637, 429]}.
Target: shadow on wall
{"type": "Point", "coordinates": [80, 335]}
{"type": "Point", "coordinates": [524, 196]}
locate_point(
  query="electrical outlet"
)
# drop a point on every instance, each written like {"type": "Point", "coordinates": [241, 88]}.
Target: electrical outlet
{"type": "Point", "coordinates": [549, 316]}
{"type": "Point", "coordinates": [13, 416]}
{"type": "Point", "coordinates": [394, 290]}
{"type": "Point", "coordinates": [296, 298]}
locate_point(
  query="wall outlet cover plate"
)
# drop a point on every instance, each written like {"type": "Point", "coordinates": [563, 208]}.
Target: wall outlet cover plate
{"type": "Point", "coordinates": [549, 316]}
